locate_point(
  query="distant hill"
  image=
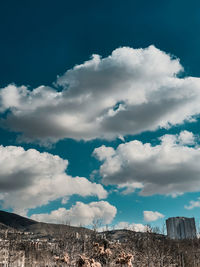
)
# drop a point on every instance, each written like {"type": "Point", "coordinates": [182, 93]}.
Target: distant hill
{"type": "Point", "coordinates": [15, 221]}
{"type": "Point", "coordinates": [20, 223]}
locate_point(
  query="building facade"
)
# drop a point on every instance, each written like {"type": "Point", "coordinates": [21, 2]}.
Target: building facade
{"type": "Point", "coordinates": [181, 228]}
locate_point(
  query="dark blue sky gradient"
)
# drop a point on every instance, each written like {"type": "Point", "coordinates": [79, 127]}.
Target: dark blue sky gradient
{"type": "Point", "coordinates": [41, 39]}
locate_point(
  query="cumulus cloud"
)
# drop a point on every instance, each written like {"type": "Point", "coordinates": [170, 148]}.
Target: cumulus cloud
{"type": "Point", "coordinates": [137, 227]}
{"type": "Point", "coordinates": [29, 179]}
{"type": "Point", "coordinates": [80, 214]}
{"type": "Point", "coordinates": [193, 204]}
{"type": "Point", "coordinates": [129, 187]}
{"type": "Point", "coordinates": [187, 138]}
{"type": "Point", "coordinates": [128, 92]}
{"type": "Point", "coordinates": [151, 216]}
{"type": "Point", "coordinates": [171, 167]}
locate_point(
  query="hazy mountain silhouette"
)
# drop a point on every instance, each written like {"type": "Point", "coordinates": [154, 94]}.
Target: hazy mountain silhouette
{"type": "Point", "coordinates": [20, 223]}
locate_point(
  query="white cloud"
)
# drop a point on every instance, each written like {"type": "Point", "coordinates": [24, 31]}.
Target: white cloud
{"type": "Point", "coordinates": [137, 227]}
{"type": "Point", "coordinates": [171, 167]}
{"type": "Point", "coordinates": [129, 187]}
{"type": "Point", "coordinates": [128, 92]}
{"type": "Point", "coordinates": [187, 138]}
{"type": "Point", "coordinates": [80, 214]}
{"type": "Point", "coordinates": [151, 216]}
{"type": "Point", "coordinates": [29, 179]}
{"type": "Point", "coordinates": [193, 204]}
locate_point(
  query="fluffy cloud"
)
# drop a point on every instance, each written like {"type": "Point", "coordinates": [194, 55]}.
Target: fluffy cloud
{"type": "Point", "coordinates": [193, 204]}
{"type": "Point", "coordinates": [29, 179]}
{"type": "Point", "coordinates": [171, 167]}
{"type": "Point", "coordinates": [129, 187]}
{"type": "Point", "coordinates": [186, 138]}
{"type": "Point", "coordinates": [151, 216]}
{"type": "Point", "coordinates": [130, 91]}
{"type": "Point", "coordinates": [137, 227]}
{"type": "Point", "coordinates": [80, 214]}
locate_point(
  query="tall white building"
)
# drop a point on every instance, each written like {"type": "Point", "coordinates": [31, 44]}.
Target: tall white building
{"type": "Point", "coordinates": [181, 228]}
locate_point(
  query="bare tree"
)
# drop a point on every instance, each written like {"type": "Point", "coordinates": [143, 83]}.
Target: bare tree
{"type": "Point", "coordinates": [96, 224]}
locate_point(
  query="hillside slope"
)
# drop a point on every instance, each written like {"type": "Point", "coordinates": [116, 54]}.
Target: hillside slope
{"type": "Point", "coordinates": [15, 221]}
{"type": "Point", "coordinates": [12, 220]}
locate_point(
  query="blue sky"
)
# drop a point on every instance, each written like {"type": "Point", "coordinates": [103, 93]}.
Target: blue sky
{"type": "Point", "coordinates": [141, 84]}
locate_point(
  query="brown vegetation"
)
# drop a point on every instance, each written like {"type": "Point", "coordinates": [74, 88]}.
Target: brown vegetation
{"type": "Point", "coordinates": [76, 247]}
